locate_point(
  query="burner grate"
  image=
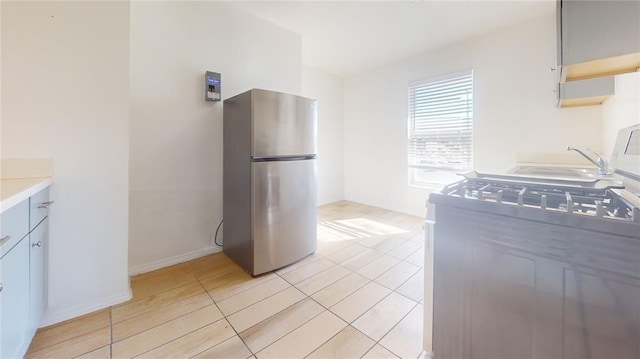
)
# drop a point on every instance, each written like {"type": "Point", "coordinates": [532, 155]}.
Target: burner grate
{"type": "Point", "coordinates": [596, 202]}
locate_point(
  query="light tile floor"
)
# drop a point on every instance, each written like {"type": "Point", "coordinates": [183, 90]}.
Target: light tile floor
{"type": "Point", "coordinates": [358, 296]}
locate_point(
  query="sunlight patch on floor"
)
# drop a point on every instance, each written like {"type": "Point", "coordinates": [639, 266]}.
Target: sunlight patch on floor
{"type": "Point", "coordinates": [346, 229]}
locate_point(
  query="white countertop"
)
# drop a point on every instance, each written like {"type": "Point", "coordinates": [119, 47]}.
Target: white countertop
{"type": "Point", "coordinates": [16, 190]}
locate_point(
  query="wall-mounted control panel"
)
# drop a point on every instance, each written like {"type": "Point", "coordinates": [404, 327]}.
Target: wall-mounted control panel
{"type": "Point", "coordinates": [212, 86]}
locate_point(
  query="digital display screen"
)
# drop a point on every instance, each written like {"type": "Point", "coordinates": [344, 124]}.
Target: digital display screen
{"type": "Point", "coordinates": [212, 86]}
{"type": "Point", "coordinates": [213, 81]}
{"type": "Point", "coordinates": [633, 146]}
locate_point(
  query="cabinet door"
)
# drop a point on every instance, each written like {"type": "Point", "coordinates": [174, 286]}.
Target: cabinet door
{"type": "Point", "coordinates": [14, 306]}
{"type": "Point", "coordinates": [601, 315]}
{"type": "Point", "coordinates": [593, 30]}
{"type": "Point", "coordinates": [38, 273]}
{"type": "Point", "coordinates": [512, 288]}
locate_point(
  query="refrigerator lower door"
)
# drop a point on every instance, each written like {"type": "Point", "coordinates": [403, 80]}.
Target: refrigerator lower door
{"type": "Point", "coordinates": [284, 212]}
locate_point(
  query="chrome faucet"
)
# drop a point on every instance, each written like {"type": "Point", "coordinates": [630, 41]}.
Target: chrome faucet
{"type": "Point", "coordinates": [601, 163]}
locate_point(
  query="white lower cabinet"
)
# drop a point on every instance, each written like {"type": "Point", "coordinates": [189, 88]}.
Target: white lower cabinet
{"type": "Point", "coordinates": [14, 305]}
{"type": "Point", "coordinates": [23, 274]}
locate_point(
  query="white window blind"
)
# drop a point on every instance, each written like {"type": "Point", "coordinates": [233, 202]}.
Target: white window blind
{"type": "Point", "coordinates": [440, 127]}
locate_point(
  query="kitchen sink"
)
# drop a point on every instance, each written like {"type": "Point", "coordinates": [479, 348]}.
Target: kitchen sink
{"type": "Point", "coordinates": [565, 177]}
{"type": "Point", "coordinates": [558, 172]}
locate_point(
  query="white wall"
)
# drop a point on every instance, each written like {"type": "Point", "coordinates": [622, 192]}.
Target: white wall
{"type": "Point", "coordinates": [65, 95]}
{"type": "Point", "coordinates": [176, 137]}
{"type": "Point", "coordinates": [0, 88]}
{"type": "Point", "coordinates": [328, 90]}
{"type": "Point", "coordinates": [621, 110]}
{"type": "Point", "coordinates": [514, 111]}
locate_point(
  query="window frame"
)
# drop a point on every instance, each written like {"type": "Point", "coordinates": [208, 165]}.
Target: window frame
{"type": "Point", "coordinates": [447, 174]}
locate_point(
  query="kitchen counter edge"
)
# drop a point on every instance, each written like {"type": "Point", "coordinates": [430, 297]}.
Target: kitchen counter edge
{"type": "Point", "coordinates": [16, 190]}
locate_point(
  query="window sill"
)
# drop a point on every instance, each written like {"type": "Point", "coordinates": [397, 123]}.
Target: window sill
{"type": "Point", "coordinates": [431, 187]}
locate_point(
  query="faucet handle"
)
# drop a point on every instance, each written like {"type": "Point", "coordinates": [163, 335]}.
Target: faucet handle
{"type": "Point", "coordinates": [599, 158]}
{"type": "Point", "coordinates": [603, 165]}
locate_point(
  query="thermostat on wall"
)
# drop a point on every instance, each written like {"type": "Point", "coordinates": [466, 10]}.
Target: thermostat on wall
{"type": "Point", "coordinates": [212, 86]}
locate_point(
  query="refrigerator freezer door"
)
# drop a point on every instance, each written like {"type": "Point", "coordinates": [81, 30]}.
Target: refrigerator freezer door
{"type": "Point", "coordinates": [284, 213]}
{"type": "Point", "coordinates": [283, 124]}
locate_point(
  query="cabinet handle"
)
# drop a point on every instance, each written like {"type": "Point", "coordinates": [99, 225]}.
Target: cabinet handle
{"type": "Point", "coordinates": [1, 286]}
{"type": "Point", "coordinates": [552, 69]}
{"type": "Point", "coordinates": [4, 239]}
{"type": "Point", "coordinates": [46, 204]}
{"type": "Point", "coordinates": [39, 244]}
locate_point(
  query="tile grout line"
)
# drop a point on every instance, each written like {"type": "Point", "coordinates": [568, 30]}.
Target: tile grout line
{"type": "Point", "coordinates": [395, 325]}
{"type": "Point", "coordinates": [69, 339]}
{"type": "Point", "coordinates": [338, 265]}
{"type": "Point", "coordinates": [375, 342]}
{"type": "Point", "coordinates": [291, 286]}
{"type": "Point", "coordinates": [328, 308]}
{"type": "Point", "coordinates": [403, 282]}
{"type": "Point", "coordinates": [164, 291]}
{"type": "Point", "coordinates": [240, 292]}
{"type": "Point", "coordinates": [310, 319]}
{"type": "Point", "coordinates": [177, 338]}
{"type": "Point", "coordinates": [225, 318]}
{"type": "Point", "coordinates": [264, 276]}
{"type": "Point", "coordinates": [301, 325]}
{"type": "Point", "coordinates": [192, 331]}
{"type": "Point", "coordinates": [261, 300]}
{"type": "Point", "coordinates": [181, 316]}
{"type": "Point", "coordinates": [163, 323]}
{"type": "Point", "coordinates": [110, 332]}
{"type": "Point", "coordinates": [374, 304]}
{"type": "Point", "coordinates": [324, 270]}
{"type": "Point", "coordinates": [328, 340]}
{"type": "Point", "coordinates": [373, 280]}
{"type": "Point", "coordinates": [139, 300]}
{"type": "Point", "coordinates": [350, 257]}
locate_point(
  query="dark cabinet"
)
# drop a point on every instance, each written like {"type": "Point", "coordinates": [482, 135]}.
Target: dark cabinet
{"type": "Point", "coordinates": [507, 287]}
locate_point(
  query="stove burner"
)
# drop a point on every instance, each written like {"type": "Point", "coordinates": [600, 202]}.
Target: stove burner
{"type": "Point", "coordinates": [595, 202]}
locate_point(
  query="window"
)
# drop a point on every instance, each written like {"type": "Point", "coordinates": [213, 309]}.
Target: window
{"type": "Point", "coordinates": [440, 129]}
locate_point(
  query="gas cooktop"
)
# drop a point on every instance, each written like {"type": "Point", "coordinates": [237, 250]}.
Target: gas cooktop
{"type": "Point", "coordinates": [614, 198]}
{"type": "Point", "coordinates": [591, 198]}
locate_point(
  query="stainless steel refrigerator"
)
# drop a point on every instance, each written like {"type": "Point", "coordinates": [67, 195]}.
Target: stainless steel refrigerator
{"type": "Point", "coordinates": [269, 179]}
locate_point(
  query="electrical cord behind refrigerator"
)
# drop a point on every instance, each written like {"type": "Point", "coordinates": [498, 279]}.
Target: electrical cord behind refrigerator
{"type": "Point", "coordinates": [215, 238]}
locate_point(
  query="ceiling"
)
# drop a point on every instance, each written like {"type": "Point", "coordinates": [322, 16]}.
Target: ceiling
{"type": "Point", "coordinates": [350, 37]}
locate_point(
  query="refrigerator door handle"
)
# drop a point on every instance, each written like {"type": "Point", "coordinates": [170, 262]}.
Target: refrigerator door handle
{"type": "Point", "coordinates": [283, 158]}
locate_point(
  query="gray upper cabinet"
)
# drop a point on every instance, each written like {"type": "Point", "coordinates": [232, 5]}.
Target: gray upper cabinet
{"type": "Point", "coordinates": [585, 92]}
{"type": "Point", "coordinates": [595, 41]}
{"type": "Point", "coordinates": [597, 38]}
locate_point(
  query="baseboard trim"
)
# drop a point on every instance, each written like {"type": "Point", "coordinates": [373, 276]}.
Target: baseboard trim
{"type": "Point", "coordinates": [151, 266]}
{"type": "Point", "coordinates": [53, 315]}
